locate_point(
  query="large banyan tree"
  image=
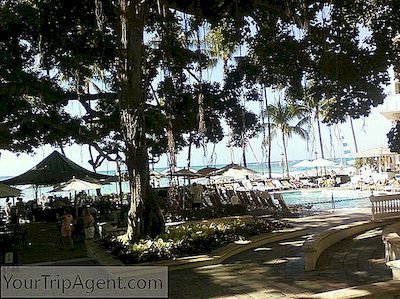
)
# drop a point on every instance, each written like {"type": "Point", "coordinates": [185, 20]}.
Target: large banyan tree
{"type": "Point", "coordinates": [137, 68]}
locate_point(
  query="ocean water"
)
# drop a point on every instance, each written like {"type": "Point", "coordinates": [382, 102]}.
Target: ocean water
{"type": "Point", "coordinates": [29, 192]}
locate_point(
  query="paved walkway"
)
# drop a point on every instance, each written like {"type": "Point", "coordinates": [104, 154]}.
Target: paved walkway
{"type": "Point", "coordinates": [276, 270]}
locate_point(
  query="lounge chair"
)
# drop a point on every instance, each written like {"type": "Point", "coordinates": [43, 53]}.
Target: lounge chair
{"type": "Point", "coordinates": [285, 209]}
{"type": "Point", "coordinates": [287, 185]}
{"type": "Point", "coordinates": [279, 185]}
{"type": "Point", "coordinates": [238, 187]}
{"type": "Point", "coordinates": [307, 184]}
{"type": "Point", "coordinates": [256, 199]}
{"type": "Point", "coordinates": [269, 186]}
{"type": "Point", "coordinates": [266, 197]}
{"type": "Point", "coordinates": [247, 185]}
{"type": "Point", "coordinates": [293, 210]}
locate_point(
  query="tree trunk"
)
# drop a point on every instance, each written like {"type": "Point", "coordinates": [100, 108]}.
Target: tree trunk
{"type": "Point", "coordinates": [244, 144]}
{"type": "Point", "coordinates": [319, 133]}
{"type": "Point", "coordinates": [244, 157]}
{"type": "Point", "coordinates": [132, 97]}
{"type": "Point", "coordinates": [354, 135]}
{"type": "Point", "coordinates": [171, 145]}
{"type": "Point", "coordinates": [285, 155]}
{"type": "Point", "coordinates": [269, 135]}
{"type": "Point", "coordinates": [200, 96]}
{"type": "Point", "coordinates": [189, 158]}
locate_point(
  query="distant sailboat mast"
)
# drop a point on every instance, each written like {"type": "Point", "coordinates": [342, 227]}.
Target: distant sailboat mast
{"type": "Point", "coordinates": [348, 156]}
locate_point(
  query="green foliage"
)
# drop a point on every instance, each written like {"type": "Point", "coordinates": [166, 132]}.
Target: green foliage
{"type": "Point", "coordinates": [186, 240]}
{"type": "Point", "coordinates": [51, 51]}
{"type": "Point", "coordinates": [394, 138]}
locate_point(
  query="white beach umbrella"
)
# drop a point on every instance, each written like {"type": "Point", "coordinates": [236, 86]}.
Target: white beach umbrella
{"type": "Point", "coordinates": [303, 164]}
{"type": "Point", "coordinates": [235, 171]}
{"type": "Point", "coordinates": [322, 163]}
{"type": "Point", "coordinates": [77, 185]}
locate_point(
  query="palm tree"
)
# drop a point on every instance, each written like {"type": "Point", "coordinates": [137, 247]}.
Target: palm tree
{"type": "Point", "coordinates": [314, 106]}
{"type": "Point", "coordinates": [219, 48]}
{"type": "Point", "coordinates": [281, 117]}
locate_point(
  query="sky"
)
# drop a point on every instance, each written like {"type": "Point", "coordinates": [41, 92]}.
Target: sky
{"type": "Point", "coordinates": [370, 132]}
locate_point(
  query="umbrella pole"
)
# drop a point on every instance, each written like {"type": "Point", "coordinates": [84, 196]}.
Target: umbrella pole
{"type": "Point", "coordinates": [76, 206]}
{"type": "Point", "coordinates": [36, 193]}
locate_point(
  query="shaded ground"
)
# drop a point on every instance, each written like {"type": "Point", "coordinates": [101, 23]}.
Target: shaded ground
{"type": "Point", "coordinates": [276, 270]}
{"type": "Point", "coordinates": [46, 245]}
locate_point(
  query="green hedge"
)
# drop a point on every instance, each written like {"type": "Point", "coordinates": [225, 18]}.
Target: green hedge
{"type": "Point", "coordinates": [187, 240]}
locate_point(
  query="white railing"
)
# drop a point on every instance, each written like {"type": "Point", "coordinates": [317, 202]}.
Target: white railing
{"type": "Point", "coordinates": [391, 103]}
{"type": "Point", "coordinates": [385, 206]}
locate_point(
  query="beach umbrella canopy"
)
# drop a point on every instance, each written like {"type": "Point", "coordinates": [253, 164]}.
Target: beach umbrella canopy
{"type": "Point", "coordinates": [322, 163]}
{"type": "Point", "coordinates": [303, 164]}
{"type": "Point", "coordinates": [206, 171]}
{"type": "Point", "coordinates": [54, 169]}
{"type": "Point", "coordinates": [187, 173]}
{"type": "Point", "coordinates": [156, 174]}
{"type": "Point", "coordinates": [7, 191]}
{"type": "Point", "coordinates": [235, 171]}
{"type": "Point", "coordinates": [77, 185]}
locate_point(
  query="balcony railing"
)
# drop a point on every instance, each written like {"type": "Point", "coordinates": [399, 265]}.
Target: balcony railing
{"type": "Point", "coordinates": [385, 206]}
{"type": "Point", "coordinates": [391, 103]}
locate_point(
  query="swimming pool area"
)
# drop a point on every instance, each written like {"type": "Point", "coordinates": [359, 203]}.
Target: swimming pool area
{"type": "Point", "coordinates": [322, 199]}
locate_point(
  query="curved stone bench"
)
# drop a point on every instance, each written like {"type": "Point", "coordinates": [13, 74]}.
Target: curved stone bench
{"type": "Point", "coordinates": [317, 244]}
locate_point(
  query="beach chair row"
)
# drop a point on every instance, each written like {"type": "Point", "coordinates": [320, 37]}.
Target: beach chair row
{"type": "Point", "coordinates": [253, 200]}
{"type": "Point", "coordinates": [268, 185]}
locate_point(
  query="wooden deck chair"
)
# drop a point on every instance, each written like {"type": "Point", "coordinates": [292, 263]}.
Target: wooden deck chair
{"type": "Point", "coordinates": [247, 185]}
{"type": "Point", "coordinates": [269, 186]}
{"type": "Point", "coordinates": [263, 202]}
{"type": "Point", "coordinates": [278, 184]}
{"type": "Point", "coordinates": [268, 200]}
{"type": "Point", "coordinates": [250, 200]}
{"type": "Point", "coordinates": [219, 196]}
{"type": "Point", "coordinates": [243, 198]}
{"type": "Point", "coordinates": [211, 194]}
{"type": "Point", "coordinates": [256, 199]}
{"type": "Point", "coordinates": [282, 203]}
{"type": "Point", "coordinates": [287, 185]}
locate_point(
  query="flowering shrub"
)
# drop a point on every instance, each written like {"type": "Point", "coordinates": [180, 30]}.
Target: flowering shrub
{"type": "Point", "coordinates": [186, 240]}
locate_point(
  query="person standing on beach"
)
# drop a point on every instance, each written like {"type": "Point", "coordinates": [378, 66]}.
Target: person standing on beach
{"type": "Point", "coordinates": [196, 191]}
{"type": "Point", "coordinates": [66, 228]}
{"type": "Point", "coordinates": [7, 209]}
{"type": "Point", "coordinates": [21, 210]}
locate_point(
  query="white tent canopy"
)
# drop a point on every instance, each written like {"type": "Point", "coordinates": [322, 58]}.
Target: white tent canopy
{"type": "Point", "coordinates": [375, 152]}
